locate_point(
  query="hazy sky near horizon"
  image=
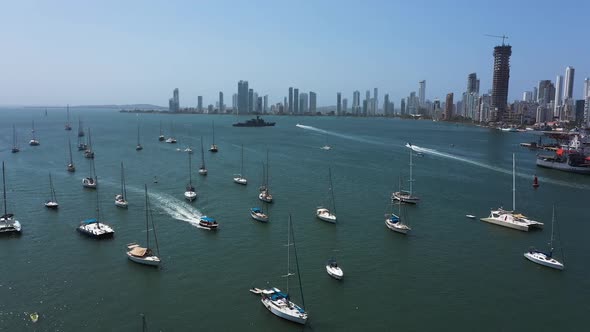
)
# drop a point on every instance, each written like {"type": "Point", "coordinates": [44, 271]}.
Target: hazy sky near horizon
{"type": "Point", "coordinates": [120, 52]}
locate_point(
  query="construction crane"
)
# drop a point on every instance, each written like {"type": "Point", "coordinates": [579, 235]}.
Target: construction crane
{"type": "Point", "coordinates": [502, 36]}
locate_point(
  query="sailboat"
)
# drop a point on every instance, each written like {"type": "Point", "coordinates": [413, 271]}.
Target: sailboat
{"type": "Point", "coordinates": [52, 202]}
{"type": "Point", "coordinates": [80, 128]}
{"type": "Point", "coordinates": [170, 139]}
{"type": "Point", "coordinates": [68, 125]}
{"type": "Point", "coordinates": [70, 167]}
{"type": "Point", "coordinates": [8, 223]}
{"type": "Point", "coordinates": [34, 141]}
{"type": "Point", "coordinates": [92, 180]}
{"type": "Point", "coordinates": [407, 196]}
{"type": "Point", "coordinates": [213, 147]}
{"type": "Point", "coordinates": [265, 195]}
{"type": "Point", "coordinates": [545, 258]}
{"type": "Point", "coordinates": [395, 222]}
{"type": "Point", "coordinates": [94, 227]}
{"type": "Point", "coordinates": [146, 255]}
{"type": "Point", "coordinates": [88, 152]}
{"type": "Point", "coordinates": [278, 302]}
{"type": "Point", "coordinates": [511, 219]}
{"type": "Point", "coordinates": [15, 147]}
{"type": "Point", "coordinates": [190, 193]}
{"type": "Point", "coordinates": [239, 178]}
{"type": "Point", "coordinates": [161, 138]}
{"type": "Point", "coordinates": [202, 169]}
{"type": "Point", "coordinates": [258, 214]}
{"type": "Point", "coordinates": [121, 199]}
{"type": "Point", "coordinates": [138, 147]}
{"type": "Point", "coordinates": [328, 213]}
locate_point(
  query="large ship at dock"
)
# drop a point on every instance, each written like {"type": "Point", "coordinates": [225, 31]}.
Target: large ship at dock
{"type": "Point", "coordinates": [257, 122]}
{"type": "Point", "coordinates": [569, 157]}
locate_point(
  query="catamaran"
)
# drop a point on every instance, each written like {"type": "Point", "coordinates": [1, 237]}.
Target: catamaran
{"type": "Point", "coordinates": [190, 193]}
{"type": "Point", "coordinates": [239, 178]}
{"type": "Point", "coordinates": [51, 203]}
{"type": "Point", "coordinates": [511, 219]}
{"type": "Point", "coordinates": [407, 196]}
{"type": "Point", "coordinates": [146, 255]}
{"type": "Point", "coordinates": [15, 147]}
{"type": "Point", "coordinates": [545, 258]}
{"type": "Point", "coordinates": [92, 180]}
{"type": "Point", "coordinates": [94, 227]}
{"type": "Point", "coordinates": [328, 213]}
{"type": "Point", "coordinates": [265, 195]}
{"type": "Point", "coordinates": [34, 141]}
{"type": "Point", "coordinates": [121, 199]}
{"type": "Point", "coordinates": [213, 147]}
{"type": "Point", "coordinates": [393, 221]}
{"type": "Point", "coordinates": [8, 224]}
{"type": "Point", "coordinates": [278, 302]}
{"type": "Point", "coordinates": [68, 125]}
{"type": "Point", "coordinates": [202, 169]}
{"type": "Point", "coordinates": [70, 167]}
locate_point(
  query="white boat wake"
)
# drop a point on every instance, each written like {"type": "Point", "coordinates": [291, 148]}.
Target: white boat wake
{"type": "Point", "coordinates": [349, 137]}
{"type": "Point", "coordinates": [433, 152]}
{"type": "Point", "coordinates": [172, 206]}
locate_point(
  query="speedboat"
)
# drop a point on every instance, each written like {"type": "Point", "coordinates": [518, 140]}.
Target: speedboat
{"type": "Point", "coordinates": [394, 223]}
{"type": "Point", "coordinates": [240, 180]}
{"type": "Point", "coordinates": [190, 193]}
{"type": "Point", "coordinates": [544, 259]}
{"type": "Point", "coordinates": [33, 142]}
{"type": "Point", "coordinates": [325, 215]}
{"type": "Point", "coordinates": [89, 183]}
{"type": "Point", "coordinates": [208, 223]}
{"type": "Point", "coordinates": [279, 304]}
{"type": "Point", "coordinates": [94, 228]}
{"type": "Point", "coordinates": [334, 270]}
{"type": "Point", "coordinates": [258, 214]}
{"type": "Point", "coordinates": [326, 147]}
{"type": "Point", "coordinates": [142, 255]}
{"type": "Point", "coordinates": [120, 201]}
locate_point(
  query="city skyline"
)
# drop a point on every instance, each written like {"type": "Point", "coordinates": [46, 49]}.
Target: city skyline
{"type": "Point", "coordinates": [139, 53]}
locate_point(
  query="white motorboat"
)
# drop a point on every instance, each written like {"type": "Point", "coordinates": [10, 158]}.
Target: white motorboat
{"type": "Point", "coordinates": [257, 214]}
{"type": "Point", "coordinates": [52, 202]}
{"type": "Point", "coordinates": [328, 213]}
{"type": "Point", "coordinates": [208, 223]}
{"type": "Point", "coordinates": [8, 224]}
{"type": "Point", "coordinates": [470, 216]}
{"type": "Point", "coordinates": [146, 255]}
{"type": "Point", "coordinates": [326, 147]}
{"type": "Point", "coordinates": [280, 303]}
{"type": "Point", "coordinates": [334, 270]}
{"type": "Point", "coordinates": [190, 194]}
{"type": "Point", "coordinates": [203, 168]}
{"type": "Point", "coordinates": [545, 258]}
{"type": "Point", "coordinates": [239, 178]}
{"type": "Point", "coordinates": [403, 195]}
{"type": "Point", "coordinates": [121, 199]}
{"type": "Point", "coordinates": [512, 219]}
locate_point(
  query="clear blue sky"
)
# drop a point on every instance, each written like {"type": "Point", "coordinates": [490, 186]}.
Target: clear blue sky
{"type": "Point", "coordinates": [103, 52]}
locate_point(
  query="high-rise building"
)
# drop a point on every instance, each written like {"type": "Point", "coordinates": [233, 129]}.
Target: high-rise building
{"type": "Point", "coordinates": [527, 96]}
{"type": "Point", "coordinates": [243, 94]}
{"type": "Point", "coordinates": [535, 93]}
{"type": "Point", "coordinates": [176, 100]}
{"type": "Point", "coordinates": [375, 104]}
{"type": "Point", "coordinates": [365, 106]}
{"type": "Point", "coordinates": [290, 106]}
{"type": "Point", "coordinates": [546, 92]}
{"type": "Point", "coordinates": [422, 92]}
{"type": "Point", "coordinates": [258, 104]}
{"type": "Point", "coordinates": [265, 104]}
{"type": "Point", "coordinates": [283, 107]}
{"type": "Point", "coordinates": [304, 102]}
{"type": "Point", "coordinates": [200, 104]}
{"type": "Point", "coordinates": [312, 102]}
{"type": "Point", "coordinates": [472, 83]}
{"type": "Point", "coordinates": [234, 102]}
{"type": "Point", "coordinates": [586, 88]}
{"type": "Point", "coordinates": [386, 110]}
{"type": "Point", "coordinates": [448, 113]}
{"type": "Point", "coordinates": [344, 106]}
{"type": "Point", "coordinates": [251, 100]}
{"type": "Point", "coordinates": [338, 104]}
{"type": "Point", "coordinates": [500, 81]}
{"type": "Point", "coordinates": [568, 91]}
{"type": "Point", "coordinates": [221, 105]}
{"type": "Point", "coordinates": [403, 106]}
{"type": "Point", "coordinates": [255, 96]}
{"type": "Point", "coordinates": [558, 102]}
{"type": "Point", "coordinates": [296, 101]}
{"type": "Point", "coordinates": [356, 103]}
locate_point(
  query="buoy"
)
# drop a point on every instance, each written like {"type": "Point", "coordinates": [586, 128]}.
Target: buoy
{"type": "Point", "coordinates": [535, 182]}
{"type": "Point", "coordinates": [34, 317]}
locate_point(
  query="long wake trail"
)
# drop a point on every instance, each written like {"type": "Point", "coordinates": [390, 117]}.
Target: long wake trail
{"type": "Point", "coordinates": [333, 133]}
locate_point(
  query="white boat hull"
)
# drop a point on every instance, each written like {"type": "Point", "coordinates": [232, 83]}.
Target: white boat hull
{"type": "Point", "coordinates": [498, 222]}
{"type": "Point", "coordinates": [335, 273]}
{"type": "Point", "coordinates": [51, 205]}
{"type": "Point", "coordinates": [240, 180]}
{"type": "Point", "coordinates": [542, 259]}
{"type": "Point", "coordinates": [258, 217]}
{"type": "Point", "coordinates": [203, 171]}
{"type": "Point", "coordinates": [147, 260]}
{"type": "Point", "coordinates": [10, 226]}
{"type": "Point", "coordinates": [397, 227]}
{"type": "Point", "coordinates": [265, 198]}
{"type": "Point", "coordinates": [122, 204]}
{"type": "Point", "coordinates": [286, 313]}
{"type": "Point", "coordinates": [406, 198]}
{"type": "Point", "coordinates": [325, 215]}
{"type": "Point", "coordinates": [190, 195]}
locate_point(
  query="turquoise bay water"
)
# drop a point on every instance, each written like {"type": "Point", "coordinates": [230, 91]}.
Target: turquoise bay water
{"type": "Point", "coordinates": [450, 273]}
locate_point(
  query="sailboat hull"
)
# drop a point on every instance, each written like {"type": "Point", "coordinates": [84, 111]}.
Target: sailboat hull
{"type": "Point", "coordinates": [241, 180]}
{"type": "Point", "coordinates": [284, 311]}
{"type": "Point", "coordinates": [542, 259]}
{"type": "Point", "coordinates": [325, 215]}
{"type": "Point", "coordinates": [397, 227]}
{"type": "Point", "coordinates": [190, 195]}
{"type": "Point", "coordinates": [146, 260]}
{"type": "Point", "coordinates": [51, 205]}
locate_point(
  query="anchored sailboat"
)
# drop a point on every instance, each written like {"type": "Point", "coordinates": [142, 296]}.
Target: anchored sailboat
{"type": "Point", "coordinates": [51, 203]}
{"type": "Point", "coordinates": [239, 178]}
{"type": "Point", "coordinates": [161, 138]}
{"type": "Point", "coordinates": [34, 141]}
{"type": "Point", "coordinates": [545, 258]}
{"type": "Point", "coordinates": [395, 222]}
{"type": "Point", "coordinates": [146, 255]}
{"type": "Point", "coordinates": [138, 147]}
{"type": "Point", "coordinates": [88, 152]}
{"type": "Point", "coordinates": [92, 180]}
{"type": "Point", "coordinates": [68, 125]}
{"type": "Point", "coordinates": [15, 147]}
{"type": "Point", "coordinates": [202, 169]}
{"type": "Point", "coordinates": [265, 195]}
{"type": "Point", "coordinates": [121, 199]}
{"type": "Point", "coordinates": [328, 213]}
{"type": "Point", "coordinates": [70, 167]}
{"type": "Point", "coordinates": [80, 128]}
{"type": "Point", "coordinates": [8, 224]}
{"type": "Point", "coordinates": [190, 193]}
{"type": "Point", "coordinates": [407, 196]}
{"type": "Point", "coordinates": [280, 303]}
{"type": "Point", "coordinates": [213, 147]}
{"type": "Point", "coordinates": [94, 227]}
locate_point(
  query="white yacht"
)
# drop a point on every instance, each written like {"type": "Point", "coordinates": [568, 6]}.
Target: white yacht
{"type": "Point", "coordinates": [94, 228]}
{"type": "Point", "coordinates": [239, 178]}
{"type": "Point", "coordinates": [190, 194]}
{"type": "Point", "coordinates": [328, 213]}
{"type": "Point", "coordinates": [203, 168]}
{"type": "Point", "coordinates": [8, 224]}
{"type": "Point", "coordinates": [512, 219]}
{"type": "Point", "coordinates": [403, 195]}
{"type": "Point", "coordinates": [121, 199]}
{"type": "Point", "coordinates": [545, 258]}
{"type": "Point", "coordinates": [171, 140]}
{"type": "Point", "coordinates": [265, 194]}
{"type": "Point", "coordinates": [51, 203]}
{"type": "Point", "coordinates": [257, 214]}
{"type": "Point", "coordinates": [146, 255]}
{"type": "Point", "coordinates": [334, 270]}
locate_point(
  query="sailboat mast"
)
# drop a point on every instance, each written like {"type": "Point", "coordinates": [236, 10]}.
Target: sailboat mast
{"type": "Point", "coordinates": [411, 179]}
{"type": "Point", "coordinates": [551, 239]}
{"type": "Point", "coordinates": [513, 183]}
{"type": "Point", "coordinates": [70, 148]}
{"type": "Point", "coordinates": [242, 165]}
{"type": "Point", "coordinates": [190, 181]}
{"type": "Point", "coordinates": [332, 190]}
{"type": "Point", "coordinates": [4, 188]}
{"type": "Point", "coordinates": [288, 253]}
{"type": "Point", "coordinates": [202, 153]}
{"type": "Point", "coordinates": [123, 189]}
{"type": "Point", "coordinates": [297, 264]}
{"type": "Point", "coordinates": [213, 132]}
{"type": "Point", "coordinates": [97, 209]}
{"type": "Point", "coordinates": [138, 133]}
{"type": "Point", "coordinates": [267, 172]}
{"type": "Point", "coordinates": [147, 225]}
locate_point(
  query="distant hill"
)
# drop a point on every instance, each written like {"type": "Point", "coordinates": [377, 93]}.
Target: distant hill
{"type": "Point", "coordinates": [124, 107]}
